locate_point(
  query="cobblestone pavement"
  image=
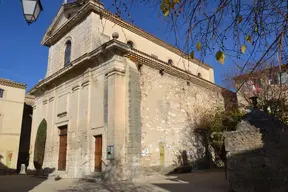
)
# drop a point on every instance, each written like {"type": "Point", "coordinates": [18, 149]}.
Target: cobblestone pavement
{"type": "Point", "coordinates": [205, 181]}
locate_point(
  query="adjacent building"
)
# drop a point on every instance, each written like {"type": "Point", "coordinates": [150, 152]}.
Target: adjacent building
{"type": "Point", "coordinates": [117, 99]}
{"type": "Point", "coordinates": [12, 95]}
{"type": "Point", "coordinates": [270, 85]}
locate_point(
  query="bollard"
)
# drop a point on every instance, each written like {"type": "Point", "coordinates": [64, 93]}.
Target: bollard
{"type": "Point", "coordinates": [23, 169]}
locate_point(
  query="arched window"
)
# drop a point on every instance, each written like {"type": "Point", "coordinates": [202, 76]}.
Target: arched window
{"type": "Point", "coordinates": [130, 43]}
{"type": "Point", "coordinates": [67, 58]}
{"type": "Point", "coordinates": [1, 93]}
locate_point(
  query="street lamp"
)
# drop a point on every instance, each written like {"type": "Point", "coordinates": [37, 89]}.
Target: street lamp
{"type": "Point", "coordinates": [31, 10]}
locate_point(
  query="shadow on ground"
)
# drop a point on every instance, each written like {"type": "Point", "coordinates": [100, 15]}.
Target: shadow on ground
{"type": "Point", "coordinates": [201, 181]}
{"type": "Point", "coordinates": [84, 186]}
{"type": "Point", "coordinates": [19, 183]}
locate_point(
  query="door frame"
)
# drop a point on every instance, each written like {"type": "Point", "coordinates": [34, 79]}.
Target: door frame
{"type": "Point", "coordinates": [61, 134]}
{"type": "Point", "coordinates": [95, 139]}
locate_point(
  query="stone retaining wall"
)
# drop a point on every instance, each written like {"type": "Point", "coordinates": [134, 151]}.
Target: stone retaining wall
{"type": "Point", "coordinates": [257, 155]}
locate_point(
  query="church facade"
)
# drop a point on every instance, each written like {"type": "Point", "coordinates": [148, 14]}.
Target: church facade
{"type": "Point", "coordinates": [116, 99]}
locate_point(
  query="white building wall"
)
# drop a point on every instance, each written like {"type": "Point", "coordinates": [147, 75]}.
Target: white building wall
{"type": "Point", "coordinates": [11, 112]}
{"type": "Point", "coordinates": [80, 36]}
{"type": "Point", "coordinates": [93, 32]}
{"type": "Point", "coordinates": [107, 27]}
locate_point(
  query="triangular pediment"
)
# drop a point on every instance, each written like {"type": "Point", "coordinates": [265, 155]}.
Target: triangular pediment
{"type": "Point", "coordinates": [65, 12]}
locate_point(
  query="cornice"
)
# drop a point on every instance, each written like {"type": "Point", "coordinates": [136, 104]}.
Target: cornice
{"type": "Point", "coordinates": [116, 47]}
{"type": "Point", "coordinates": [141, 58]}
{"type": "Point", "coordinates": [133, 28]}
{"type": "Point", "coordinates": [54, 22]}
{"type": "Point", "coordinates": [10, 83]}
{"type": "Point", "coordinates": [111, 47]}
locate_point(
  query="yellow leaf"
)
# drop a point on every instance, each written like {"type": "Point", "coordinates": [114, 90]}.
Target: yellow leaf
{"type": "Point", "coordinates": [192, 55]}
{"type": "Point", "coordinates": [165, 7]}
{"type": "Point", "coordinates": [248, 38]}
{"type": "Point", "coordinates": [166, 13]}
{"type": "Point", "coordinates": [240, 18]}
{"type": "Point", "coordinates": [198, 46]}
{"type": "Point", "coordinates": [220, 57]}
{"type": "Point", "coordinates": [243, 48]}
{"type": "Point", "coordinates": [174, 2]}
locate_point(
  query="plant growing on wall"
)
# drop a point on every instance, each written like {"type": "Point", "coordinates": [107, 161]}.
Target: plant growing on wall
{"type": "Point", "coordinates": [39, 149]}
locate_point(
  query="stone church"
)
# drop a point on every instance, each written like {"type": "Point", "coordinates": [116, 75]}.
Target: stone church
{"type": "Point", "coordinates": [117, 99]}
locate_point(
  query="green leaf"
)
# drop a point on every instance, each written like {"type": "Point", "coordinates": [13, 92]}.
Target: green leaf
{"type": "Point", "coordinates": [243, 48]}
{"type": "Point", "coordinates": [198, 46]}
{"type": "Point", "coordinates": [249, 39]}
{"type": "Point", "coordinates": [239, 18]}
{"type": "Point", "coordinates": [192, 55]}
{"type": "Point", "coordinates": [256, 29]}
{"type": "Point", "coordinates": [220, 57]}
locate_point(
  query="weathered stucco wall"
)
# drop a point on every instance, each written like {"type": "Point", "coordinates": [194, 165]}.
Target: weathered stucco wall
{"type": "Point", "coordinates": [169, 110]}
{"type": "Point", "coordinates": [11, 110]}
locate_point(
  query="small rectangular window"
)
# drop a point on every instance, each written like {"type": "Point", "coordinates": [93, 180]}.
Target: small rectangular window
{"type": "Point", "coordinates": [1, 93]}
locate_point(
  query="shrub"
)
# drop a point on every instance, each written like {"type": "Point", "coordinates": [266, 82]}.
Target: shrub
{"type": "Point", "coordinates": [212, 125]}
{"type": "Point", "coordinates": [39, 149]}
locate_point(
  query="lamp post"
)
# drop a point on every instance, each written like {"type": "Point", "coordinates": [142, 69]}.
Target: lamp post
{"type": "Point", "coordinates": [31, 10]}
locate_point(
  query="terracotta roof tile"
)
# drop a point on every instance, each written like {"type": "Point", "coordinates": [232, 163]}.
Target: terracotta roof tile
{"type": "Point", "coordinates": [10, 83]}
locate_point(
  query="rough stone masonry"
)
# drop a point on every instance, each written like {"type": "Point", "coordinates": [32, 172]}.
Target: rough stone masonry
{"type": "Point", "coordinates": [257, 154]}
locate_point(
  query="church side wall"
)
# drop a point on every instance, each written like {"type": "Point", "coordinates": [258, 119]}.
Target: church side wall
{"type": "Point", "coordinates": [169, 110]}
{"type": "Point", "coordinates": [106, 28]}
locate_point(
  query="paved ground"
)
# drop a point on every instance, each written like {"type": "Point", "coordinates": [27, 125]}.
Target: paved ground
{"type": "Point", "coordinates": [207, 181]}
{"type": "Point", "coordinates": [18, 183]}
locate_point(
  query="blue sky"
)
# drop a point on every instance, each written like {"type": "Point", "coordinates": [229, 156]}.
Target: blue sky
{"type": "Point", "coordinates": [24, 59]}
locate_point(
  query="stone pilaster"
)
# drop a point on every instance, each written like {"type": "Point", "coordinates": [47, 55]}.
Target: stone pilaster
{"type": "Point", "coordinates": [116, 117]}
{"type": "Point", "coordinates": [134, 123]}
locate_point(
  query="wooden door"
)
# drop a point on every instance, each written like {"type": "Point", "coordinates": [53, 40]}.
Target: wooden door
{"type": "Point", "coordinates": [98, 152]}
{"type": "Point", "coordinates": [62, 148]}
